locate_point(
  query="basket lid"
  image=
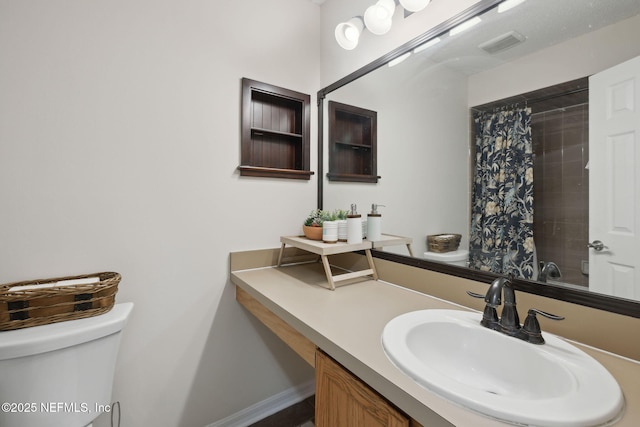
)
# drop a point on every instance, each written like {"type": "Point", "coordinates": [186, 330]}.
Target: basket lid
{"type": "Point", "coordinates": [40, 339]}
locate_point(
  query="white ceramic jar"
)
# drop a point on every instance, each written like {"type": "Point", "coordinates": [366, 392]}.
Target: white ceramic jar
{"type": "Point", "coordinates": [330, 231]}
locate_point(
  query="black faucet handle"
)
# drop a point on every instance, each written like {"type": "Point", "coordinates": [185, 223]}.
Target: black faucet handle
{"type": "Point", "coordinates": [530, 331]}
{"type": "Point", "coordinates": [475, 295]}
{"type": "Point", "coordinates": [534, 311]}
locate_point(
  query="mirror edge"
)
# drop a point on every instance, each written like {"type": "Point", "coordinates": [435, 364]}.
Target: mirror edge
{"type": "Point", "coordinates": [575, 296]}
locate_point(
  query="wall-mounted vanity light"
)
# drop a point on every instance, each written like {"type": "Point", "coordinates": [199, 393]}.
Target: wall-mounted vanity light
{"type": "Point", "coordinates": [414, 5]}
{"type": "Point", "coordinates": [377, 19]}
{"type": "Point", "coordinates": [348, 33]}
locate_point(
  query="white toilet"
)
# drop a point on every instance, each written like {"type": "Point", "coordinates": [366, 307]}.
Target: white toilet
{"type": "Point", "coordinates": [60, 375]}
{"type": "Point", "coordinates": [459, 257]}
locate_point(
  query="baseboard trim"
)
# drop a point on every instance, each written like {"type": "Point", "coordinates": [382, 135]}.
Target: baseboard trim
{"type": "Point", "coordinates": [269, 406]}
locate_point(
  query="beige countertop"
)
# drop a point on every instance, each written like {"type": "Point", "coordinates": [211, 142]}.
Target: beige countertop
{"type": "Point", "coordinates": [347, 324]}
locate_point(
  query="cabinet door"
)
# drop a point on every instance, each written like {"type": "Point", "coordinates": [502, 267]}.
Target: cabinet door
{"type": "Point", "coordinates": [342, 400]}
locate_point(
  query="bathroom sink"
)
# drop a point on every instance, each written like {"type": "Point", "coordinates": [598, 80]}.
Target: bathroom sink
{"type": "Point", "coordinates": [450, 353]}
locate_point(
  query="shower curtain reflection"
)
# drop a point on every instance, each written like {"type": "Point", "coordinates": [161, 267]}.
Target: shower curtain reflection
{"type": "Point", "coordinates": [501, 235]}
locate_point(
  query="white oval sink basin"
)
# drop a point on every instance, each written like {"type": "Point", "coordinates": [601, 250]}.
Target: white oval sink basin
{"type": "Point", "coordinates": [555, 384]}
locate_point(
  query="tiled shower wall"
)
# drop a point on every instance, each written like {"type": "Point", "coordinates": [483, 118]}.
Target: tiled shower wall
{"type": "Point", "coordinates": [561, 217]}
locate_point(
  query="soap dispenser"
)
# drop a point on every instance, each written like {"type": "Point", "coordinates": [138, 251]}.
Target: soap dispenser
{"type": "Point", "coordinates": [374, 223]}
{"type": "Point", "coordinates": [354, 226]}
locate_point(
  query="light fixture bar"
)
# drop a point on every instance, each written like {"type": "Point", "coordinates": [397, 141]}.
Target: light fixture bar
{"type": "Point", "coordinates": [377, 18]}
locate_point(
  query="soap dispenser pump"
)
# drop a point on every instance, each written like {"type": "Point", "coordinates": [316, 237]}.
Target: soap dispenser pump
{"type": "Point", "coordinates": [354, 226]}
{"type": "Point", "coordinates": [374, 223]}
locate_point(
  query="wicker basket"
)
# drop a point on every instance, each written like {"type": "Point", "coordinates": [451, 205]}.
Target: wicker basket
{"type": "Point", "coordinates": [40, 302]}
{"type": "Point", "coordinates": [443, 242]}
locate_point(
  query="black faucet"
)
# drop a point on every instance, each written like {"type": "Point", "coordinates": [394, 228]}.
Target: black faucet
{"type": "Point", "coordinates": [549, 270]}
{"type": "Point", "coordinates": [509, 322]}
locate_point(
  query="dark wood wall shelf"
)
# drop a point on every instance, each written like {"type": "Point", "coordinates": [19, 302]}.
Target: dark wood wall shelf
{"type": "Point", "coordinates": [352, 143]}
{"type": "Point", "coordinates": [275, 132]}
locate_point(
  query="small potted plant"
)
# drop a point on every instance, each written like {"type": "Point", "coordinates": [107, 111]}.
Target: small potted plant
{"type": "Point", "coordinates": [312, 227]}
{"type": "Point", "coordinates": [330, 228]}
{"type": "Point", "coordinates": [341, 217]}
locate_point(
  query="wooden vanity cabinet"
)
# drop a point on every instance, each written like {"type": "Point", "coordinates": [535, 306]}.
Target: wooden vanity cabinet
{"type": "Point", "coordinates": [343, 400]}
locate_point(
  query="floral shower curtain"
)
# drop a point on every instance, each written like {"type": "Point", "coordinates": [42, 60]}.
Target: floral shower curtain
{"type": "Point", "coordinates": [501, 239]}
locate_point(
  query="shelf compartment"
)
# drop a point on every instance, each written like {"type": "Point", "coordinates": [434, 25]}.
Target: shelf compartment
{"type": "Point", "coordinates": [276, 113]}
{"type": "Point", "coordinates": [275, 132]}
{"type": "Point", "coordinates": [275, 151]}
{"type": "Point", "coordinates": [353, 143]}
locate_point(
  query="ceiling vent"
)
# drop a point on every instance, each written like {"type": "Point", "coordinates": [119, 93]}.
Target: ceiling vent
{"type": "Point", "coordinates": [502, 42]}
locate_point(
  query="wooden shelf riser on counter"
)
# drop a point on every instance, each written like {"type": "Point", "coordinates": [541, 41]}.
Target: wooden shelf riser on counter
{"type": "Point", "coordinates": [324, 250]}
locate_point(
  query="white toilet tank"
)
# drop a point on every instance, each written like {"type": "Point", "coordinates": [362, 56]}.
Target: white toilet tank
{"type": "Point", "coordinates": [458, 257]}
{"type": "Point", "coordinates": [60, 375]}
